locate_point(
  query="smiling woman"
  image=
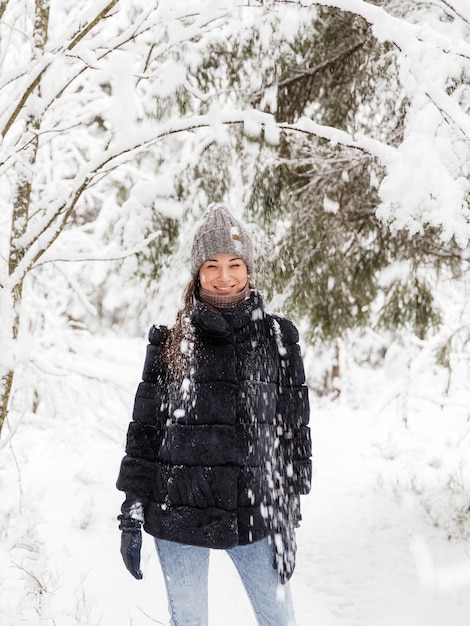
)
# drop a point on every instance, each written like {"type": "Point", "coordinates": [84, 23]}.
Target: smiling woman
{"type": "Point", "coordinates": [224, 274]}
{"type": "Point", "coordinates": [218, 451]}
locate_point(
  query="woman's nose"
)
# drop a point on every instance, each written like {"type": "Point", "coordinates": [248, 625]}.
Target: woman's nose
{"type": "Point", "coordinates": [223, 273]}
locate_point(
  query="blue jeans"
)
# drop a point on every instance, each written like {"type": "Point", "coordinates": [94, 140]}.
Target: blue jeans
{"type": "Point", "coordinates": [186, 569]}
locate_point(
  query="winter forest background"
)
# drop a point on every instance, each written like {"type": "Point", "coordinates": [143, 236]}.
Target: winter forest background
{"type": "Point", "coordinates": [340, 130]}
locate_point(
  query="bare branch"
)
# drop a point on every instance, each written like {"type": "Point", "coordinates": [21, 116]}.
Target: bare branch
{"type": "Point", "coordinates": [84, 31]}
{"type": "Point", "coordinates": [302, 74]}
{"type": "Point", "coordinates": [453, 10]}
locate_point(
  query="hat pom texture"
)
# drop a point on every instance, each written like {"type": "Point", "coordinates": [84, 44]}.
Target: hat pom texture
{"type": "Point", "coordinates": [219, 232]}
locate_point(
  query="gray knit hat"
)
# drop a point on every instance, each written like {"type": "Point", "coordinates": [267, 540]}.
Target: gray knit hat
{"type": "Point", "coordinates": [220, 233]}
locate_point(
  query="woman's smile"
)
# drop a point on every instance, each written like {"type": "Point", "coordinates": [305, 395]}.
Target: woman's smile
{"type": "Point", "coordinates": [223, 274]}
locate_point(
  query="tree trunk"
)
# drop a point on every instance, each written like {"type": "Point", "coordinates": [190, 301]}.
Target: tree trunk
{"type": "Point", "coordinates": [13, 291]}
{"type": "Point", "coordinates": [3, 7]}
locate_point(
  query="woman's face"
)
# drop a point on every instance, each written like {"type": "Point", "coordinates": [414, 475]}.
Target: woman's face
{"type": "Point", "coordinates": [223, 274]}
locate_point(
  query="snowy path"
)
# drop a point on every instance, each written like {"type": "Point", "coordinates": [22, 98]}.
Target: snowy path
{"type": "Point", "coordinates": [362, 530]}
{"type": "Point", "coordinates": [356, 565]}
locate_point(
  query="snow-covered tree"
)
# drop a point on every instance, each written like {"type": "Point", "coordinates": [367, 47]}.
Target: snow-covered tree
{"type": "Point", "coordinates": [106, 111]}
{"type": "Point", "coordinates": [338, 265]}
{"type": "Point", "coordinates": [77, 115]}
{"type": "Point", "coordinates": [355, 93]}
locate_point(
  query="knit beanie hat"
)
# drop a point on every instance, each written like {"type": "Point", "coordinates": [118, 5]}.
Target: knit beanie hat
{"type": "Point", "coordinates": [220, 233]}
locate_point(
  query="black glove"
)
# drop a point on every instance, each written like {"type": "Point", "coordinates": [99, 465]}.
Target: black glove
{"type": "Point", "coordinates": [131, 544]}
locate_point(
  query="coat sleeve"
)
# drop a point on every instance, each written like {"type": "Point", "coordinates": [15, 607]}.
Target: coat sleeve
{"type": "Point", "coordinates": [144, 433]}
{"type": "Point", "coordinates": [293, 411]}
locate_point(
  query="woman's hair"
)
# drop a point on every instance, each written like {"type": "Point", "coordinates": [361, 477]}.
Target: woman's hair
{"type": "Point", "coordinates": [179, 340]}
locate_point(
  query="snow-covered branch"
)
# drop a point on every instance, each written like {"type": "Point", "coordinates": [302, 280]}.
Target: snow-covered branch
{"type": "Point", "coordinates": [398, 30]}
{"type": "Point", "coordinates": [103, 256]}
{"type": "Point", "coordinates": [255, 122]}
{"type": "Point", "coordinates": [101, 13]}
{"type": "Point", "coordinates": [383, 152]}
{"type": "Point", "coordinates": [418, 44]}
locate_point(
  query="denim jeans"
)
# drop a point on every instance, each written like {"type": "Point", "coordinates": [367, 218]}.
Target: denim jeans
{"type": "Point", "coordinates": [186, 568]}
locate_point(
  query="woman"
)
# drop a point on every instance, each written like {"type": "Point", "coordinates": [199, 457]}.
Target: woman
{"type": "Point", "coordinates": [218, 450]}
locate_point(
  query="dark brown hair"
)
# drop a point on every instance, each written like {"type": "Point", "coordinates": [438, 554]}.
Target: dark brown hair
{"type": "Point", "coordinates": [178, 343]}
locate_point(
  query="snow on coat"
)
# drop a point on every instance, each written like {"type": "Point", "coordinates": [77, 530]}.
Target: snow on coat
{"type": "Point", "coordinates": [220, 457]}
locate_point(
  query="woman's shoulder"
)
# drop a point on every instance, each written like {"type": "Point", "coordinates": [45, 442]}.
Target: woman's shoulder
{"type": "Point", "coordinates": [284, 327]}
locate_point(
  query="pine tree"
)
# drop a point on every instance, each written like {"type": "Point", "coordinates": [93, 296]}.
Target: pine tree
{"type": "Point", "coordinates": [328, 257]}
{"type": "Point", "coordinates": [333, 250]}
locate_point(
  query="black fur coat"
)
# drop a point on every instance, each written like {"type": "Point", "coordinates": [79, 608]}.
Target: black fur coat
{"type": "Point", "coordinates": [219, 457]}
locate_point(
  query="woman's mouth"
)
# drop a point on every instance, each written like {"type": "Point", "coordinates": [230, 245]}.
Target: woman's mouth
{"type": "Point", "coordinates": [225, 289]}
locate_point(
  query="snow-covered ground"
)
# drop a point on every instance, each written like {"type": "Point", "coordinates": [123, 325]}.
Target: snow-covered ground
{"type": "Point", "coordinates": [384, 539]}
